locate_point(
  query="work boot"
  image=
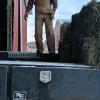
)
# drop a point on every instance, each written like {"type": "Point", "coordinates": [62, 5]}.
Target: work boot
{"type": "Point", "coordinates": [52, 53]}
{"type": "Point", "coordinates": [39, 52]}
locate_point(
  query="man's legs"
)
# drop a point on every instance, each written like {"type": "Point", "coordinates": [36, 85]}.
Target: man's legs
{"type": "Point", "coordinates": [38, 33]}
{"type": "Point", "coordinates": [50, 34]}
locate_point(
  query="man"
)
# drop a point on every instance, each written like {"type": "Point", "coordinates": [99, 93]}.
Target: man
{"type": "Point", "coordinates": [44, 13]}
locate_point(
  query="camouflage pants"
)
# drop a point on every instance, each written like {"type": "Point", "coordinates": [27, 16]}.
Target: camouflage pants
{"type": "Point", "coordinates": [39, 20]}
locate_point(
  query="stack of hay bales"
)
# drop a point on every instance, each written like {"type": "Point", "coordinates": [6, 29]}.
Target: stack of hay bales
{"type": "Point", "coordinates": [80, 40]}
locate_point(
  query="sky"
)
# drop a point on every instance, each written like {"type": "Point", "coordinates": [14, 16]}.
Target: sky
{"type": "Point", "coordinates": [68, 7]}
{"type": "Point", "coordinates": [65, 10]}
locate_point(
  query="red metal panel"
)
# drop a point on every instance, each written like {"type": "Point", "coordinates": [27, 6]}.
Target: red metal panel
{"type": "Point", "coordinates": [16, 28]}
{"type": "Point", "coordinates": [24, 28]}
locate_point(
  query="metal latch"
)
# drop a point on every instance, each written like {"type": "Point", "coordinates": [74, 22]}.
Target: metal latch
{"type": "Point", "coordinates": [19, 95]}
{"type": "Point", "coordinates": [45, 76]}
